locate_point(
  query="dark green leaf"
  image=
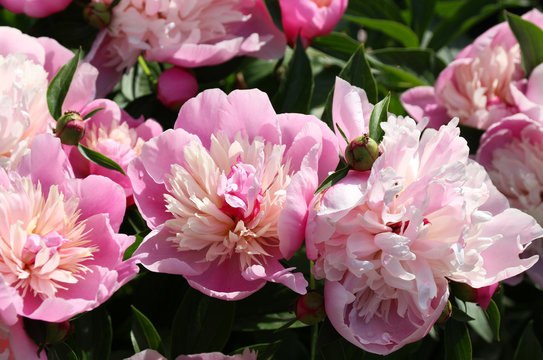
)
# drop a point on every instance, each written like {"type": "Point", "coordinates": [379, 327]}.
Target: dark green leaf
{"type": "Point", "coordinates": [92, 113]}
{"type": "Point", "coordinates": [273, 321]}
{"type": "Point", "coordinates": [460, 315]}
{"type": "Point", "coordinates": [480, 322]}
{"type": "Point", "coordinates": [378, 9]}
{"type": "Point", "coordinates": [494, 318]}
{"type": "Point", "coordinates": [130, 250]}
{"type": "Point", "coordinates": [379, 114]}
{"type": "Point", "coordinates": [393, 29]}
{"type": "Point", "coordinates": [332, 179]}
{"type": "Point", "coordinates": [336, 44]}
{"type": "Point", "coordinates": [59, 86]}
{"type": "Point", "coordinates": [421, 15]}
{"type": "Point", "coordinates": [529, 347]}
{"type": "Point", "coordinates": [99, 159]}
{"type": "Point", "coordinates": [93, 333]}
{"type": "Point", "coordinates": [530, 39]}
{"type": "Point", "coordinates": [467, 15]}
{"type": "Point", "coordinates": [457, 341]}
{"type": "Point", "coordinates": [357, 72]}
{"type": "Point", "coordinates": [296, 88]}
{"type": "Point", "coordinates": [275, 12]}
{"type": "Point", "coordinates": [143, 326]}
{"type": "Point", "coordinates": [201, 324]}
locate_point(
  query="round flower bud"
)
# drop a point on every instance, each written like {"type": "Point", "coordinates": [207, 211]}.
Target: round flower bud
{"type": "Point", "coordinates": [310, 308]}
{"type": "Point", "coordinates": [55, 333]}
{"type": "Point", "coordinates": [445, 314]}
{"type": "Point", "coordinates": [175, 86]}
{"type": "Point", "coordinates": [361, 153]}
{"type": "Point", "coordinates": [97, 15]}
{"type": "Point", "coordinates": [70, 128]}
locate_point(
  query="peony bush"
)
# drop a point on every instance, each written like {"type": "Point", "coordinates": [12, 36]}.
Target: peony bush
{"type": "Point", "coordinates": [177, 183]}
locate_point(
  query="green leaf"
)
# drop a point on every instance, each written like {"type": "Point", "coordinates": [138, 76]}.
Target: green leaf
{"type": "Point", "coordinates": [99, 159]}
{"type": "Point", "coordinates": [494, 318]}
{"type": "Point", "coordinates": [377, 9]}
{"type": "Point", "coordinates": [92, 113]}
{"type": "Point", "coordinates": [530, 39]}
{"type": "Point", "coordinates": [339, 45]}
{"type": "Point", "coordinates": [332, 179]}
{"type": "Point", "coordinates": [378, 115]}
{"type": "Point", "coordinates": [272, 321]}
{"type": "Point", "coordinates": [457, 341]}
{"type": "Point", "coordinates": [130, 250]}
{"type": "Point", "coordinates": [274, 9]}
{"type": "Point", "coordinates": [480, 322]}
{"type": "Point", "coordinates": [460, 315]}
{"type": "Point", "coordinates": [296, 88]}
{"type": "Point", "coordinates": [422, 12]}
{"type": "Point", "coordinates": [528, 346]}
{"type": "Point", "coordinates": [93, 334]}
{"type": "Point", "coordinates": [357, 72]}
{"type": "Point", "coordinates": [143, 326]}
{"type": "Point", "coordinates": [467, 15]}
{"type": "Point", "coordinates": [393, 29]}
{"type": "Point", "coordinates": [201, 324]}
{"type": "Point", "coordinates": [59, 86]}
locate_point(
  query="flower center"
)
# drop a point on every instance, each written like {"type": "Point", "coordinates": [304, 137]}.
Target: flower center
{"type": "Point", "coordinates": [322, 3]}
{"type": "Point", "coordinates": [241, 192]}
{"type": "Point", "coordinates": [226, 215]}
{"type": "Point", "coordinates": [43, 249]}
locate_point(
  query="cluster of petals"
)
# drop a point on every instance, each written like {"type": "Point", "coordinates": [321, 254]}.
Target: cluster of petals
{"type": "Point", "coordinates": [60, 249]}
{"type": "Point", "coordinates": [115, 134]}
{"type": "Point", "coordinates": [27, 65]}
{"type": "Point", "coordinates": [226, 191]}
{"type": "Point", "coordinates": [14, 343]}
{"type": "Point", "coordinates": [35, 8]}
{"type": "Point", "coordinates": [388, 239]}
{"type": "Point", "coordinates": [310, 18]}
{"type": "Point", "coordinates": [478, 86]}
{"type": "Point", "coordinates": [512, 153]}
{"type": "Point", "coordinates": [149, 354]}
{"type": "Point", "coordinates": [186, 33]}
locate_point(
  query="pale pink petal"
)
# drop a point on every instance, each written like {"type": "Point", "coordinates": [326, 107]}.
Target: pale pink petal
{"type": "Point", "coordinates": [421, 102]}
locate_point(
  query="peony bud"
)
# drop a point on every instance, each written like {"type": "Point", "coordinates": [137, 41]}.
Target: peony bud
{"type": "Point", "coordinates": [55, 333]}
{"type": "Point", "coordinates": [70, 128]}
{"type": "Point", "coordinates": [310, 308]}
{"type": "Point", "coordinates": [175, 86]}
{"type": "Point", "coordinates": [97, 15]}
{"type": "Point", "coordinates": [361, 153]}
{"type": "Point", "coordinates": [480, 296]}
{"type": "Point", "coordinates": [445, 314]}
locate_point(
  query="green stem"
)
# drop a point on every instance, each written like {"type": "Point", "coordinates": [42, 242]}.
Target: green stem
{"type": "Point", "coordinates": [312, 284]}
{"type": "Point", "coordinates": [146, 70]}
{"type": "Point", "coordinates": [314, 337]}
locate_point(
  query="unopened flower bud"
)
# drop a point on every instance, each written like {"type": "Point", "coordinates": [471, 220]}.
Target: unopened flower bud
{"type": "Point", "coordinates": [97, 15]}
{"type": "Point", "coordinates": [361, 153]}
{"type": "Point", "coordinates": [70, 128]}
{"type": "Point", "coordinates": [480, 296]}
{"type": "Point", "coordinates": [175, 86]}
{"type": "Point", "coordinates": [445, 314]}
{"type": "Point", "coordinates": [310, 308]}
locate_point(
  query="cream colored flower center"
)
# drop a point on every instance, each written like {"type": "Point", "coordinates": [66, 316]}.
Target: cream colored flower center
{"type": "Point", "coordinates": [227, 200]}
{"type": "Point", "coordinates": [42, 243]}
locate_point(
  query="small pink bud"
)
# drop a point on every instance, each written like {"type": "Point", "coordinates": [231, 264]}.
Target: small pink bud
{"type": "Point", "coordinates": [97, 15]}
{"type": "Point", "coordinates": [445, 314]}
{"type": "Point", "coordinates": [361, 153]}
{"type": "Point", "coordinates": [175, 86]}
{"type": "Point", "coordinates": [310, 308]}
{"type": "Point", "coordinates": [480, 296]}
{"type": "Point", "coordinates": [70, 128]}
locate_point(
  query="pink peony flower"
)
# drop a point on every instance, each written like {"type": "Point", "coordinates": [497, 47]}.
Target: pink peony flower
{"type": "Point", "coordinates": [27, 65]}
{"type": "Point", "coordinates": [225, 193]}
{"type": "Point", "coordinates": [386, 240]}
{"type": "Point", "coordinates": [175, 86]}
{"type": "Point", "coordinates": [112, 132]}
{"type": "Point", "coordinates": [149, 354]}
{"type": "Point", "coordinates": [184, 33]}
{"type": "Point", "coordinates": [61, 250]}
{"type": "Point", "coordinates": [516, 143]}
{"type": "Point", "coordinates": [477, 86]}
{"type": "Point", "coordinates": [310, 18]}
{"type": "Point", "coordinates": [528, 95]}
{"type": "Point", "coordinates": [35, 8]}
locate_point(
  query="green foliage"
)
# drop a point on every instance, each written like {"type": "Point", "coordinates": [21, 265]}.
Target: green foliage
{"type": "Point", "coordinates": [59, 86]}
{"type": "Point", "coordinates": [530, 38]}
{"type": "Point", "coordinates": [99, 159]}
